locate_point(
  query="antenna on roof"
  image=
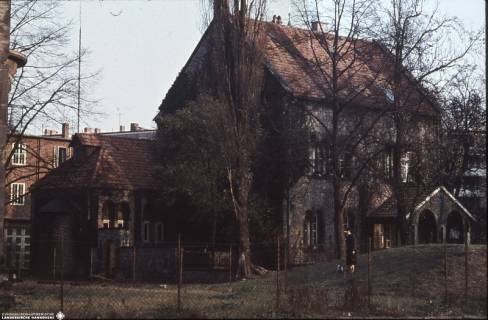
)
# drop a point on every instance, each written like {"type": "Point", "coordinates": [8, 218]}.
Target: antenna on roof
{"type": "Point", "coordinates": [79, 75]}
{"type": "Point", "coordinates": [119, 114]}
{"type": "Point", "coordinates": [289, 14]}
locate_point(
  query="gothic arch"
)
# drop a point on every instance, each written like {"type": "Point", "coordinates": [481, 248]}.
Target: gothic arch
{"type": "Point", "coordinates": [311, 230]}
{"type": "Point", "coordinates": [454, 227]}
{"type": "Point", "coordinates": [108, 214]}
{"type": "Point", "coordinates": [426, 227]}
{"type": "Point", "coordinates": [123, 214]}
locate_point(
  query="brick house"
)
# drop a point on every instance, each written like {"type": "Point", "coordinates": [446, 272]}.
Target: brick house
{"type": "Point", "coordinates": [292, 81]}
{"type": "Point", "coordinates": [100, 205]}
{"type": "Point", "coordinates": [29, 159]}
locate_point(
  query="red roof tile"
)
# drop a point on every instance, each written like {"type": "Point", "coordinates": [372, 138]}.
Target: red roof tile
{"type": "Point", "coordinates": [299, 62]}
{"type": "Point", "coordinates": [114, 162]}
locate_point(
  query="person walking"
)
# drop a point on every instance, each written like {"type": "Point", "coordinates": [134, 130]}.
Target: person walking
{"type": "Point", "coordinates": [351, 259]}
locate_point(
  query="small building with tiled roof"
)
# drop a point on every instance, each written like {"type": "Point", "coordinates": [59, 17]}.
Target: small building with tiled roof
{"type": "Point", "coordinates": [97, 206]}
{"type": "Point", "coordinates": [435, 215]}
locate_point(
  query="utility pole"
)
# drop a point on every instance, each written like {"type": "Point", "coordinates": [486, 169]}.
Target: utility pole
{"type": "Point", "coordinates": [79, 75]}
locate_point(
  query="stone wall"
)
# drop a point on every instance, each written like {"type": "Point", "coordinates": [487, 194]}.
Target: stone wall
{"type": "Point", "coordinates": [313, 195]}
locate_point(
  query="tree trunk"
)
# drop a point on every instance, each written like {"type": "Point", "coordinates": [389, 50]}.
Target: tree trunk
{"type": "Point", "coordinates": [245, 262]}
{"type": "Point", "coordinates": [341, 249]}
{"type": "Point", "coordinates": [339, 221]}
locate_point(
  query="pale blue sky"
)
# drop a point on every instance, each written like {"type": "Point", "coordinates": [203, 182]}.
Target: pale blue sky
{"type": "Point", "coordinates": [141, 50]}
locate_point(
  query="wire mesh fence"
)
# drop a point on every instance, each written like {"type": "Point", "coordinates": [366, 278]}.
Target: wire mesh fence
{"type": "Point", "coordinates": [204, 280]}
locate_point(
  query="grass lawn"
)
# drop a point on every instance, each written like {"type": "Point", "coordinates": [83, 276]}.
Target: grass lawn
{"type": "Point", "coordinates": [405, 282]}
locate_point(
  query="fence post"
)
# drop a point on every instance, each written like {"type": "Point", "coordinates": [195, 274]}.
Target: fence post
{"type": "Point", "coordinates": [134, 262]}
{"type": "Point", "coordinates": [91, 261]}
{"type": "Point", "coordinates": [62, 271]}
{"type": "Point", "coordinates": [54, 262]}
{"type": "Point", "coordinates": [230, 267]}
{"type": "Point", "coordinates": [17, 257]}
{"type": "Point", "coordinates": [285, 283]}
{"type": "Point", "coordinates": [369, 272]}
{"type": "Point", "coordinates": [445, 272]}
{"type": "Point", "coordinates": [179, 273]}
{"type": "Point", "coordinates": [466, 264]}
{"type": "Point", "coordinates": [278, 273]}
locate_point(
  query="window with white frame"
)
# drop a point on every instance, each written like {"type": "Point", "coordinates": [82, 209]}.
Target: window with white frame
{"type": "Point", "coordinates": [17, 241]}
{"type": "Point", "coordinates": [145, 231]}
{"type": "Point", "coordinates": [17, 194]}
{"type": "Point", "coordinates": [406, 166]}
{"type": "Point", "coordinates": [19, 156]}
{"type": "Point", "coordinates": [159, 232]}
{"type": "Point", "coordinates": [60, 155]}
{"type": "Point", "coordinates": [320, 160]}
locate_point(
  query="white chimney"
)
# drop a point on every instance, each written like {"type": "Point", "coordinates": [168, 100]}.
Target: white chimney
{"type": "Point", "coordinates": [319, 26]}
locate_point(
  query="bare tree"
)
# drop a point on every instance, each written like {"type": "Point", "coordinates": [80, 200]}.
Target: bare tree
{"type": "Point", "coordinates": [229, 91]}
{"type": "Point", "coordinates": [46, 90]}
{"type": "Point", "coordinates": [342, 66]}
{"type": "Point", "coordinates": [423, 44]}
{"type": "Point", "coordinates": [463, 121]}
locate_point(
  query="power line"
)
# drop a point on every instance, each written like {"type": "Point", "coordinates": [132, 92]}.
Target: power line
{"type": "Point", "coordinates": [79, 75]}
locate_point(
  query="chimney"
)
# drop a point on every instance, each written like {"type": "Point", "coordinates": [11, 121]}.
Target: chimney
{"type": "Point", "coordinates": [134, 126]}
{"type": "Point", "coordinates": [97, 130]}
{"type": "Point", "coordinates": [65, 130]}
{"type": "Point", "coordinates": [122, 128]}
{"type": "Point", "coordinates": [88, 130]}
{"type": "Point", "coordinates": [220, 7]}
{"type": "Point", "coordinates": [319, 26]}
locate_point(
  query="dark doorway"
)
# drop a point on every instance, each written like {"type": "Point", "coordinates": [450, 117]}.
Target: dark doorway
{"type": "Point", "coordinates": [427, 230]}
{"type": "Point", "coordinates": [455, 228]}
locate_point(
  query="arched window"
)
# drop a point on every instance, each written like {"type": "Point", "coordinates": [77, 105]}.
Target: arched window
{"type": "Point", "coordinates": [427, 228]}
{"type": "Point", "coordinates": [123, 215]}
{"type": "Point", "coordinates": [108, 215]}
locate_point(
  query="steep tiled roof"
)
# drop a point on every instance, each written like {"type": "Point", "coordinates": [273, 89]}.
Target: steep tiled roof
{"type": "Point", "coordinates": [112, 162]}
{"type": "Point", "coordinates": [413, 195]}
{"type": "Point", "coordinates": [291, 56]}
{"type": "Point", "coordinates": [302, 65]}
